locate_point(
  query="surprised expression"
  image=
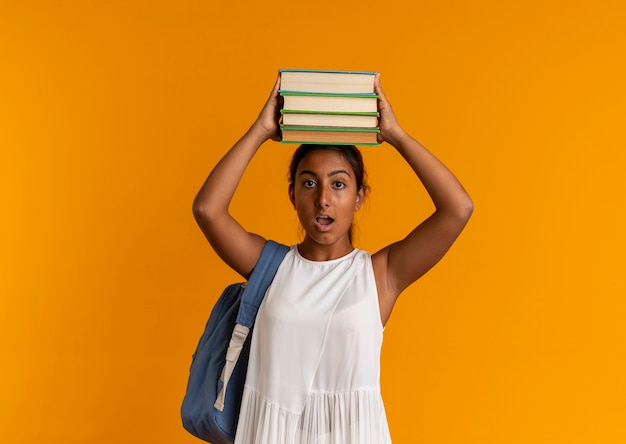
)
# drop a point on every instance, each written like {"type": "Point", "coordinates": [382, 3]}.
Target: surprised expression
{"type": "Point", "coordinates": [325, 196]}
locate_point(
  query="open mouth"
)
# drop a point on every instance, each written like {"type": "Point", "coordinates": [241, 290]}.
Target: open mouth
{"type": "Point", "coordinates": [324, 221]}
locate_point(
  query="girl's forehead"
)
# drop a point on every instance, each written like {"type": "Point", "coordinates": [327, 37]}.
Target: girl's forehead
{"type": "Point", "coordinates": [324, 159]}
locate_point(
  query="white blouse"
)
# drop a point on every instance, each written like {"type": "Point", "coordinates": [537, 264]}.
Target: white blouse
{"type": "Point", "coordinates": [314, 369]}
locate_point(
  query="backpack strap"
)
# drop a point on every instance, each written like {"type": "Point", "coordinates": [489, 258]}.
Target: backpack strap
{"type": "Point", "coordinates": [260, 280]}
{"type": "Point", "coordinates": [262, 275]}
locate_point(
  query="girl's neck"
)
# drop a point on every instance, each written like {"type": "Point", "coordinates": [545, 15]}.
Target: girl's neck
{"type": "Point", "coordinates": [313, 251]}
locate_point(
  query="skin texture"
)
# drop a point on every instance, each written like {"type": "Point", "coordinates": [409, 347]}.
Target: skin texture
{"type": "Point", "coordinates": [325, 186]}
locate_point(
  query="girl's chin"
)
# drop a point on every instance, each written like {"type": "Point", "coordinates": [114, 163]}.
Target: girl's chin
{"type": "Point", "coordinates": [325, 238]}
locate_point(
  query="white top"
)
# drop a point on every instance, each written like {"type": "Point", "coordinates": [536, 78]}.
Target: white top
{"type": "Point", "coordinates": [314, 368]}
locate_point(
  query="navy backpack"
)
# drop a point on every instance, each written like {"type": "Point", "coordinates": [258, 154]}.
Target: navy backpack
{"type": "Point", "coordinates": [209, 411]}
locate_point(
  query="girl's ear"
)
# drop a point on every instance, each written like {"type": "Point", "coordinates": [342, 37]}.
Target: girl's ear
{"type": "Point", "coordinates": [360, 196]}
{"type": "Point", "coordinates": [292, 197]}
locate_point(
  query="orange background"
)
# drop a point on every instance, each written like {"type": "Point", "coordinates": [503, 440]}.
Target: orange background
{"type": "Point", "coordinates": [113, 113]}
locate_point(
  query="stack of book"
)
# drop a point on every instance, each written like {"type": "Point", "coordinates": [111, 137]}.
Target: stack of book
{"type": "Point", "coordinates": [329, 107]}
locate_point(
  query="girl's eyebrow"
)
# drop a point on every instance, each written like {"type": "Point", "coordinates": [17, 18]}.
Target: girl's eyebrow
{"type": "Point", "coordinates": [332, 173]}
{"type": "Point", "coordinates": [303, 172]}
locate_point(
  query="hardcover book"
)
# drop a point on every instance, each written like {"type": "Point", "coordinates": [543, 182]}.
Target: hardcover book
{"type": "Point", "coordinates": [329, 119]}
{"type": "Point", "coordinates": [325, 81]}
{"type": "Point", "coordinates": [338, 103]}
{"type": "Point", "coordinates": [330, 135]}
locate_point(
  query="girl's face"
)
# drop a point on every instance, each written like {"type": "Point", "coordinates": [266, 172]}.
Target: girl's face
{"type": "Point", "coordinates": [325, 196]}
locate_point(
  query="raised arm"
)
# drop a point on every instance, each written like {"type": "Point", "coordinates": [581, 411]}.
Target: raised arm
{"type": "Point", "coordinates": [236, 246]}
{"type": "Point", "coordinates": [402, 263]}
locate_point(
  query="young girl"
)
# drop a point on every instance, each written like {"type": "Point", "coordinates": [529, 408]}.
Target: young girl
{"type": "Point", "coordinates": [314, 369]}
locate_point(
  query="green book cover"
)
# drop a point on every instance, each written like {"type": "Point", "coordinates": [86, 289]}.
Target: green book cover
{"type": "Point", "coordinates": [336, 113]}
{"type": "Point", "coordinates": [329, 128]}
{"type": "Point", "coordinates": [330, 143]}
{"type": "Point", "coordinates": [330, 71]}
{"type": "Point", "coordinates": [316, 94]}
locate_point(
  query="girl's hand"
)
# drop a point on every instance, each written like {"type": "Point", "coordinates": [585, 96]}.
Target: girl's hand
{"type": "Point", "coordinates": [269, 117]}
{"type": "Point", "coordinates": [389, 127]}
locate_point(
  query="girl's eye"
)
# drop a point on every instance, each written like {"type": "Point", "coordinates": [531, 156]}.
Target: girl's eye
{"type": "Point", "coordinates": [309, 183]}
{"type": "Point", "coordinates": [340, 185]}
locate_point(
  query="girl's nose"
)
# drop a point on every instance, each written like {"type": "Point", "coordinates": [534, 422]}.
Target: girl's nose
{"type": "Point", "coordinates": [323, 198]}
